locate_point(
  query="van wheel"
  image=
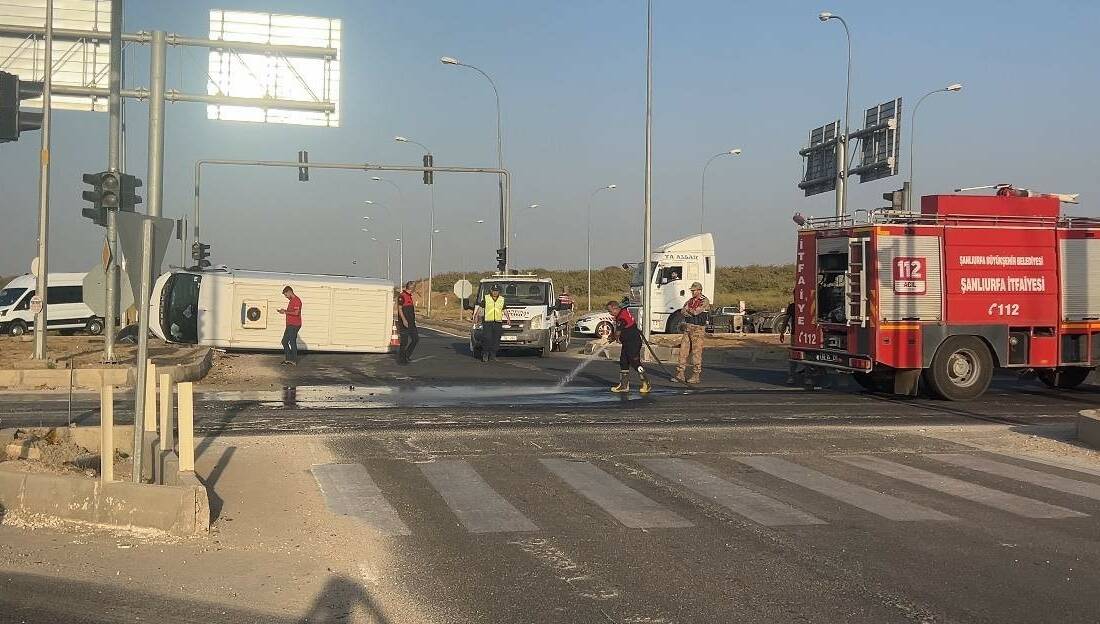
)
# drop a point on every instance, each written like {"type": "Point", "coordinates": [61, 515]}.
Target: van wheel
{"type": "Point", "coordinates": [674, 322]}
{"type": "Point", "coordinates": [961, 369]}
{"type": "Point", "coordinates": [1064, 378]}
{"type": "Point", "coordinates": [95, 326]}
{"type": "Point", "coordinates": [17, 328]}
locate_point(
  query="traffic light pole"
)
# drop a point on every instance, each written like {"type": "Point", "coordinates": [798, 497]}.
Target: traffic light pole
{"type": "Point", "coordinates": [114, 163]}
{"type": "Point", "coordinates": [41, 290]}
{"type": "Point", "coordinates": [157, 71]}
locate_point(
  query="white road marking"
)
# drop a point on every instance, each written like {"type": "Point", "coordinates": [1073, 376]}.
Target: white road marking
{"type": "Point", "coordinates": [855, 495]}
{"type": "Point", "coordinates": [350, 491]}
{"type": "Point", "coordinates": [440, 331]}
{"type": "Point", "coordinates": [624, 503]}
{"type": "Point", "coordinates": [478, 507]}
{"type": "Point", "coordinates": [1019, 505]}
{"type": "Point", "coordinates": [735, 497]}
{"type": "Point", "coordinates": [1019, 473]}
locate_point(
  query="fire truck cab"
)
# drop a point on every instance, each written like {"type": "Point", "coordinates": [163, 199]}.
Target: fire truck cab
{"type": "Point", "coordinates": [967, 285]}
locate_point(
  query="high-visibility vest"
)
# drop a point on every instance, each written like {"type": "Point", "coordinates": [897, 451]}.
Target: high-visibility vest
{"type": "Point", "coordinates": [494, 309]}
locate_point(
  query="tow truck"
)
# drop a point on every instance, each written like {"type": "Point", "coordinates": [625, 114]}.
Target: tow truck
{"type": "Point", "coordinates": [533, 318]}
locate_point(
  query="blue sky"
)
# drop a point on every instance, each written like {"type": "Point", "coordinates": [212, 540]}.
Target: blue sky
{"type": "Point", "coordinates": [752, 75]}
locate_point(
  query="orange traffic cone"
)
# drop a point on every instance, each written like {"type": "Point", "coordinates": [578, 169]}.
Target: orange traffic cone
{"type": "Point", "coordinates": [395, 339]}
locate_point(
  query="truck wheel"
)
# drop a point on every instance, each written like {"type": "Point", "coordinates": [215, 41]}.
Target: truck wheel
{"type": "Point", "coordinates": [545, 350]}
{"type": "Point", "coordinates": [961, 369]}
{"type": "Point", "coordinates": [94, 326]}
{"type": "Point", "coordinates": [563, 345]}
{"type": "Point", "coordinates": [1064, 378]}
{"type": "Point", "coordinates": [17, 328]}
{"type": "Point", "coordinates": [674, 321]}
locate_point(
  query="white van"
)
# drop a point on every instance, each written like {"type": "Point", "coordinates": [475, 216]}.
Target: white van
{"type": "Point", "coordinates": [65, 307]}
{"type": "Point", "coordinates": [237, 309]}
{"type": "Point", "coordinates": [675, 266]}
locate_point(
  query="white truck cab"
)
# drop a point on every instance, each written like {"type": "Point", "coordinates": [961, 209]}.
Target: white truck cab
{"type": "Point", "coordinates": [675, 266]}
{"type": "Point", "coordinates": [534, 320]}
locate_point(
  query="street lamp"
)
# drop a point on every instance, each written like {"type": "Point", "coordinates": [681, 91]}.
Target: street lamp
{"type": "Point", "coordinates": [609, 187]}
{"type": "Point", "coordinates": [375, 240]}
{"type": "Point", "coordinates": [842, 143]}
{"type": "Point", "coordinates": [401, 233]}
{"type": "Point", "coordinates": [431, 221]}
{"type": "Point", "coordinates": [703, 185]}
{"type": "Point", "coordinates": [450, 60]}
{"type": "Point", "coordinates": [515, 228]}
{"type": "Point", "coordinates": [951, 88]}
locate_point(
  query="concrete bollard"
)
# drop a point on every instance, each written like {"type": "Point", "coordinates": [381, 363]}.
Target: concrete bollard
{"type": "Point", "coordinates": [149, 440]}
{"type": "Point", "coordinates": [107, 433]}
{"type": "Point", "coordinates": [186, 399]}
{"type": "Point", "coordinates": [167, 427]}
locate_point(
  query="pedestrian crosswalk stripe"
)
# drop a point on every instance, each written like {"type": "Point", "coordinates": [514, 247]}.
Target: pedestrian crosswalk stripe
{"type": "Point", "coordinates": [734, 497]}
{"type": "Point", "coordinates": [1019, 505]}
{"type": "Point", "coordinates": [349, 490]}
{"type": "Point", "coordinates": [855, 495]}
{"type": "Point", "coordinates": [1019, 473]}
{"type": "Point", "coordinates": [625, 504]}
{"type": "Point", "coordinates": [478, 507]}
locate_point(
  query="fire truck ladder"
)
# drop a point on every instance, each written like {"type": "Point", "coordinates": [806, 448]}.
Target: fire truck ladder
{"type": "Point", "coordinates": [856, 288]}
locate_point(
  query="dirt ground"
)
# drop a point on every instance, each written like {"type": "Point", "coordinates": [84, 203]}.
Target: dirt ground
{"type": "Point", "coordinates": [83, 352]}
{"type": "Point", "coordinates": [57, 454]}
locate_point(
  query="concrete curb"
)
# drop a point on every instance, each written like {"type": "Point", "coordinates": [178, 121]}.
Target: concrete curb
{"type": "Point", "coordinates": [1088, 427]}
{"type": "Point", "coordinates": [95, 378]}
{"type": "Point", "coordinates": [178, 509]}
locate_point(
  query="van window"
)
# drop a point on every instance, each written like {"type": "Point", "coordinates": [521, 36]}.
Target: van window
{"type": "Point", "coordinates": [65, 294]}
{"type": "Point", "coordinates": [9, 296]}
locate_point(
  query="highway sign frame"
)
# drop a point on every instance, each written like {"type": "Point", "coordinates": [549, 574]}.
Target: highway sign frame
{"type": "Point", "coordinates": [880, 142]}
{"type": "Point", "coordinates": [819, 171]}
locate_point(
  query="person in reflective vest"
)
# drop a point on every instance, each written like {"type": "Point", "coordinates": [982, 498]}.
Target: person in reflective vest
{"type": "Point", "coordinates": [630, 355]}
{"type": "Point", "coordinates": [493, 316]}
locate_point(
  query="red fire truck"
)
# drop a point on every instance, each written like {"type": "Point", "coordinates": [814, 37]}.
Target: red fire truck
{"type": "Point", "coordinates": [968, 284]}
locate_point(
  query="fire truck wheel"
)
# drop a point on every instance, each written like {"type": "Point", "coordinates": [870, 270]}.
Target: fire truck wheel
{"type": "Point", "coordinates": [961, 370]}
{"type": "Point", "coordinates": [1064, 378]}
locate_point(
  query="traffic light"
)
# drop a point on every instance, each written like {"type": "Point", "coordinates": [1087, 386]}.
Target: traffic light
{"type": "Point", "coordinates": [104, 195]}
{"type": "Point", "coordinates": [428, 174]}
{"type": "Point", "coordinates": [303, 172]}
{"type": "Point", "coordinates": [200, 253]}
{"type": "Point", "coordinates": [502, 259]}
{"type": "Point", "coordinates": [12, 120]}
{"type": "Point", "coordinates": [896, 199]}
{"type": "Point", "coordinates": [128, 199]}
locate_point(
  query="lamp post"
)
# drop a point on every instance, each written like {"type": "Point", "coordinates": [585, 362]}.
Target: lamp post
{"type": "Point", "coordinates": [375, 240]}
{"type": "Point", "coordinates": [400, 235]}
{"type": "Point", "coordinates": [842, 143]}
{"type": "Point", "coordinates": [504, 218]}
{"type": "Point", "coordinates": [609, 187]}
{"type": "Point", "coordinates": [431, 221]}
{"type": "Point", "coordinates": [703, 185]}
{"type": "Point", "coordinates": [951, 88]}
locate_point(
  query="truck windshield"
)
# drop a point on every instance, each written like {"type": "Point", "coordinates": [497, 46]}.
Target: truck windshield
{"type": "Point", "coordinates": [179, 307]}
{"type": "Point", "coordinates": [636, 279]}
{"type": "Point", "coordinates": [518, 293]}
{"type": "Point", "coordinates": [9, 296]}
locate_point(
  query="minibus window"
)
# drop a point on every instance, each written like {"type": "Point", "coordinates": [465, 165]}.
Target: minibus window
{"type": "Point", "coordinates": [9, 296]}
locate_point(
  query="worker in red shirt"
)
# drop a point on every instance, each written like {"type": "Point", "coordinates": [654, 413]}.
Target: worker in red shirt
{"type": "Point", "coordinates": [293, 313]}
{"type": "Point", "coordinates": [630, 355]}
{"type": "Point", "coordinates": [406, 317]}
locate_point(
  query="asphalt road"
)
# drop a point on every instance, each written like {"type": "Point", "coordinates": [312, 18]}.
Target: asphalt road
{"type": "Point", "coordinates": [496, 496]}
{"type": "Point", "coordinates": [445, 387]}
{"type": "Point", "coordinates": [722, 525]}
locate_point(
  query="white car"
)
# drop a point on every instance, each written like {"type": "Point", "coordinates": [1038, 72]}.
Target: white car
{"type": "Point", "coordinates": [594, 324]}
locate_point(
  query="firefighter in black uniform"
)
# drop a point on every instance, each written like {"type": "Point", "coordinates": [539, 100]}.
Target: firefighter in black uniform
{"type": "Point", "coordinates": [630, 337]}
